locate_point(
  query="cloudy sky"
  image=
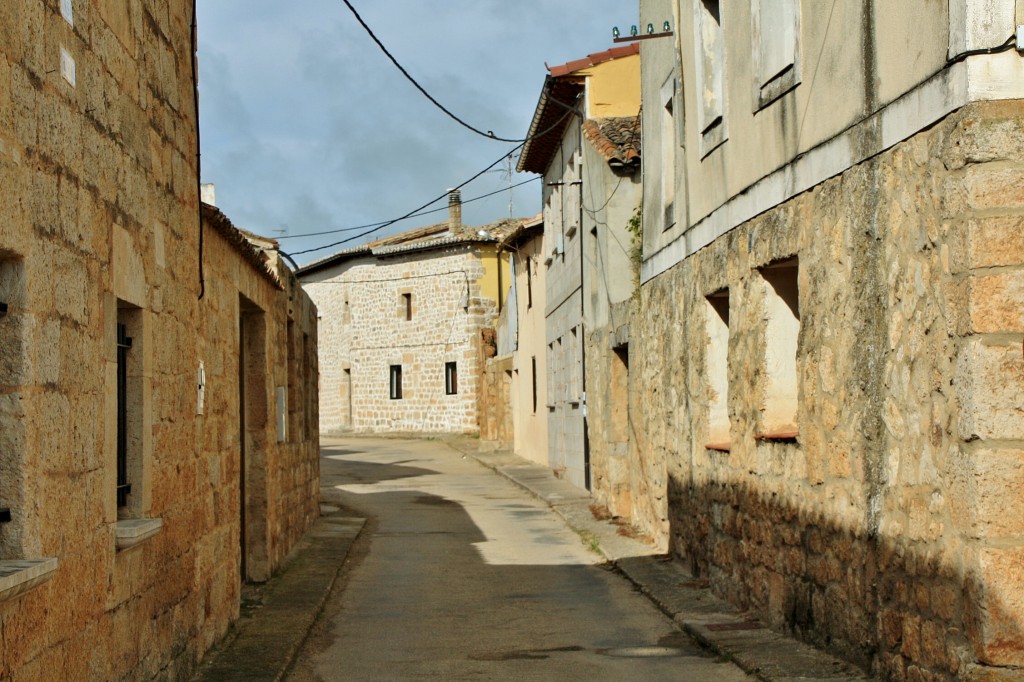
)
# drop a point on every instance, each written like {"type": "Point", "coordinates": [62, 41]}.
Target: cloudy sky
{"type": "Point", "coordinates": [307, 127]}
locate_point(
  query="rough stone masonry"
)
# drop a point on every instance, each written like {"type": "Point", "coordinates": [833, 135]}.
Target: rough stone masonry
{"type": "Point", "coordinates": [888, 524]}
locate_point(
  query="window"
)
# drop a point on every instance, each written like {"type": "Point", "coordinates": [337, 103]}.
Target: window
{"type": "Point", "coordinates": [124, 345]}
{"type": "Point", "coordinates": [407, 305]}
{"type": "Point", "coordinates": [533, 379]}
{"type": "Point", "coordinates": [716, 359]}
{"type": "Point", "coordinates": [776, 33]}
{"type": "Point", "coordinates": [396, 382]}
{"type": "Point", "coordinates": [782, 331]}
{"type": "Point", "coordinates": [129, 411]}
{"type": "Point", "coordinates": [668, 153]}
{"type": "Point", "coordinates": [529, 282]}
{"type": "Point", "coordinates": [710, 61]}
{"type": "Point", "coordinates": [451, 378]}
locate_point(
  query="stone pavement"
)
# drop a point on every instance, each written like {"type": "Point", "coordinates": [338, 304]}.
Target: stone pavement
{"type": "Point", "coordinates": [276, 617]}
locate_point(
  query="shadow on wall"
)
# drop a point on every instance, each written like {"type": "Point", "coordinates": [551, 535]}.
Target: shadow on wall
{"type": "Point", "coordinates": [876, 601]}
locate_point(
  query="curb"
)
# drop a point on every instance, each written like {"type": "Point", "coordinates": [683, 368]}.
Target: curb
{"type": "Point", "coordinates": [710, 621]}
{"type": "Point", "coordinates": [262, 644]}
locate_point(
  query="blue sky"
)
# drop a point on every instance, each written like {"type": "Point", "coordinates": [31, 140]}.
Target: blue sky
{"type": "Point", "coordinates": [306, 126]}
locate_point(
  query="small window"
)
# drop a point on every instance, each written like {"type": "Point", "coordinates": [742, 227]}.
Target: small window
{"type": "Point", "coordinates": [396, 382]}
{"type": "Point", "coordinates": [124, 345]}
{"type": "Point", "coordinates": [716, 359]}
{"type": "Point", "coordinates": [529, 282]}
{"type": "Point", "coordinates": [775, 25]}
{"type": "Point", "coordinates": [533, 379]}
{"type": "Point", "coordinates": [451, 378]}
{"type": "Point", "coordinates": [710, 59]}
{"type": "Point", "coordinates": [130, 416]}
{"type": "Point", "coordinates": [782, 332]}
{"type": "Point", "coordinates": [407, 306]}
{"type": "Point", "coordinates": [668, 154]}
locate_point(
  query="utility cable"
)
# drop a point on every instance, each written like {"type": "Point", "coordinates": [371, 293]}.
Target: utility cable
{"type": "Point", "coordinates": [415, 215]}
{"type": "Point", "coordinates": [1008, 44]}
{"type": "Point", "coordinates": [407, 215]}
{"type": "Point", "coordinates": [489, 134]}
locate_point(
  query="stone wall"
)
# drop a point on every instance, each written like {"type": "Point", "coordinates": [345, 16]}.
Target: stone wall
{"type": "Point", "coordinates": [100, 209]}
{"type": "Point", "coordinates": [887, 527]}
{"type": "Point", "coordinates": [366, 329]}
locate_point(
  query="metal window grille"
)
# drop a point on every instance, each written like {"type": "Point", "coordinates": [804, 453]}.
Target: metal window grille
{"type": "Point", "coordinates": [124, 344]}
{"type": "Point", "coordinates": [451, 378]}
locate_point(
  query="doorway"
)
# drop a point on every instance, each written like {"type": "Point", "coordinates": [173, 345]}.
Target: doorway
{"type": "Point", "coordinates": [254, 565]}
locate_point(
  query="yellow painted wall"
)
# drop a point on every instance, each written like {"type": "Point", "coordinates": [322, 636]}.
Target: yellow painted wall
{"type": "Point", "coordinates": [613, 88]}
{"type": "Point", "coordinates": [489, 284]}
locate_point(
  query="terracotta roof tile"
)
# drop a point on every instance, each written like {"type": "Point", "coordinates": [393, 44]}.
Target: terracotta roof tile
{"type": "Point", "coordinates": [244, 242]}
{"type": "Point", "coordinates": [594, 59]}
{"type": "Point", "coordinates": [616, 139]}
{"type": "Point", "coordinates": [424, 238]}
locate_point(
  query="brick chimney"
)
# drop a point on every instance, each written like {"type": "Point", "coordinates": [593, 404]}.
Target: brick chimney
{"type": "Point", "coordinates": [454, 209]}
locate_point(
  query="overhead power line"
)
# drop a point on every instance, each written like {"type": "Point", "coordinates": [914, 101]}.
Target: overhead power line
{"type": "Point", "coordinates": [416, 210]}
{"type": "Point", "coordinates": [489, 134]}
{"type": "Point", "coordinates": [414, 215]}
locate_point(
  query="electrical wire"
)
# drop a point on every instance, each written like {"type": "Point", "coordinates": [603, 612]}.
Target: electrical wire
{"type": "Point", "coordinates": [415, 215]}
{"type": "Point", "coordinates": [1009, 44]}
{"type": "Point", "coordinates": [489, 134]}
{"type": "Point", "coordinates": [407, 215]}
{"type": "Point", "coordinates": [199, 165]}
{"type": "Point", "coordinates": [388, 223]}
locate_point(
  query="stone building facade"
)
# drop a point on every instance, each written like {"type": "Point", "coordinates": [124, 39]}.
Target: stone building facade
{"type": "Point", "coordinates": [827, 342]}
{"type": "Point", "coordinates": [121, 481]}
{"type": "Point", "coordinates": [584, 142]}
{"type": "Point", "coordinates": [404, 328]}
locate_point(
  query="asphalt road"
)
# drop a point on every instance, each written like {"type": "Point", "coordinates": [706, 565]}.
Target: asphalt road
{"type": "Point", "coordinates": [462, 575]}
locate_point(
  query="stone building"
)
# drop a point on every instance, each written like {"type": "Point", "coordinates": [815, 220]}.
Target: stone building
{"type": "Point", "coordinates": [584, 141]}
{"type": "Point", "coordinates": [407, 324]}
{"type": "Point", "coordinates": [124, 305]}
{"type": "Point", "coordinates": [827, 342]}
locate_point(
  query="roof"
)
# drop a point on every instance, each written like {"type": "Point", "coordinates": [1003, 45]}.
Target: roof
{"type": "Point", "coordinates": [616, 139]}
{"type": "Point", "coordinates": [436, 236]}
{"type": "Point", "coordinates": [526, 228]}
{"type": "Point", "coordinates": [251, 246]}
{"type": "Point", "coordinates": [594, 59]}
{"type": "Point", "coordinates": [559, 96]}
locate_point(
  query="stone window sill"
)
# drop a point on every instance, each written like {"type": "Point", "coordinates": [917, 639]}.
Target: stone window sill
{"type": "Point", "coordinates": [131, 532]}
{"type": "Point", "coordinates": [19, 576]}
{"type": "Point", "coordinates": [778, 437]}
{"type": "Point", "coordinates": [718, 447]}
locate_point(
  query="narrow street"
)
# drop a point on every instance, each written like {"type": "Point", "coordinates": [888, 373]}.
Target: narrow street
{"type": "Point", "coordinates": [462, 575]}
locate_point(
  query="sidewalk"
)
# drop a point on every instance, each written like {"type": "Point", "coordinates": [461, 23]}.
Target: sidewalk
{"type": "Point", "coordinates": [711, 621]}
{"type": "Point", "coordinates": [277, 615]}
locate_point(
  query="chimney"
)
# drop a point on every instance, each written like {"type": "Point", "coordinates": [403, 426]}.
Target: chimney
{"type": "Point", "coordinates": [208, 193]}
{"type": "Point", "coordinates": [454, 209]}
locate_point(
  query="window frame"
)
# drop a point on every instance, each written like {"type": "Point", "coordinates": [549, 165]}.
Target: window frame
{"type": "Point", "coordinates": [710, 48]}
{"type": "Point", "coordinates": [770, 81]}
{"type": "Point", "coordinates": [395, 382]}
{"type": "Point", "coordinates": [124, 344]}
{"type": "Point", "coordinates": [451, 378]}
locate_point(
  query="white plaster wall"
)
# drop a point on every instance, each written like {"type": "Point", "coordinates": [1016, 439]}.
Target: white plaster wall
{"type": "Point", "coordinates": [871, 74]}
